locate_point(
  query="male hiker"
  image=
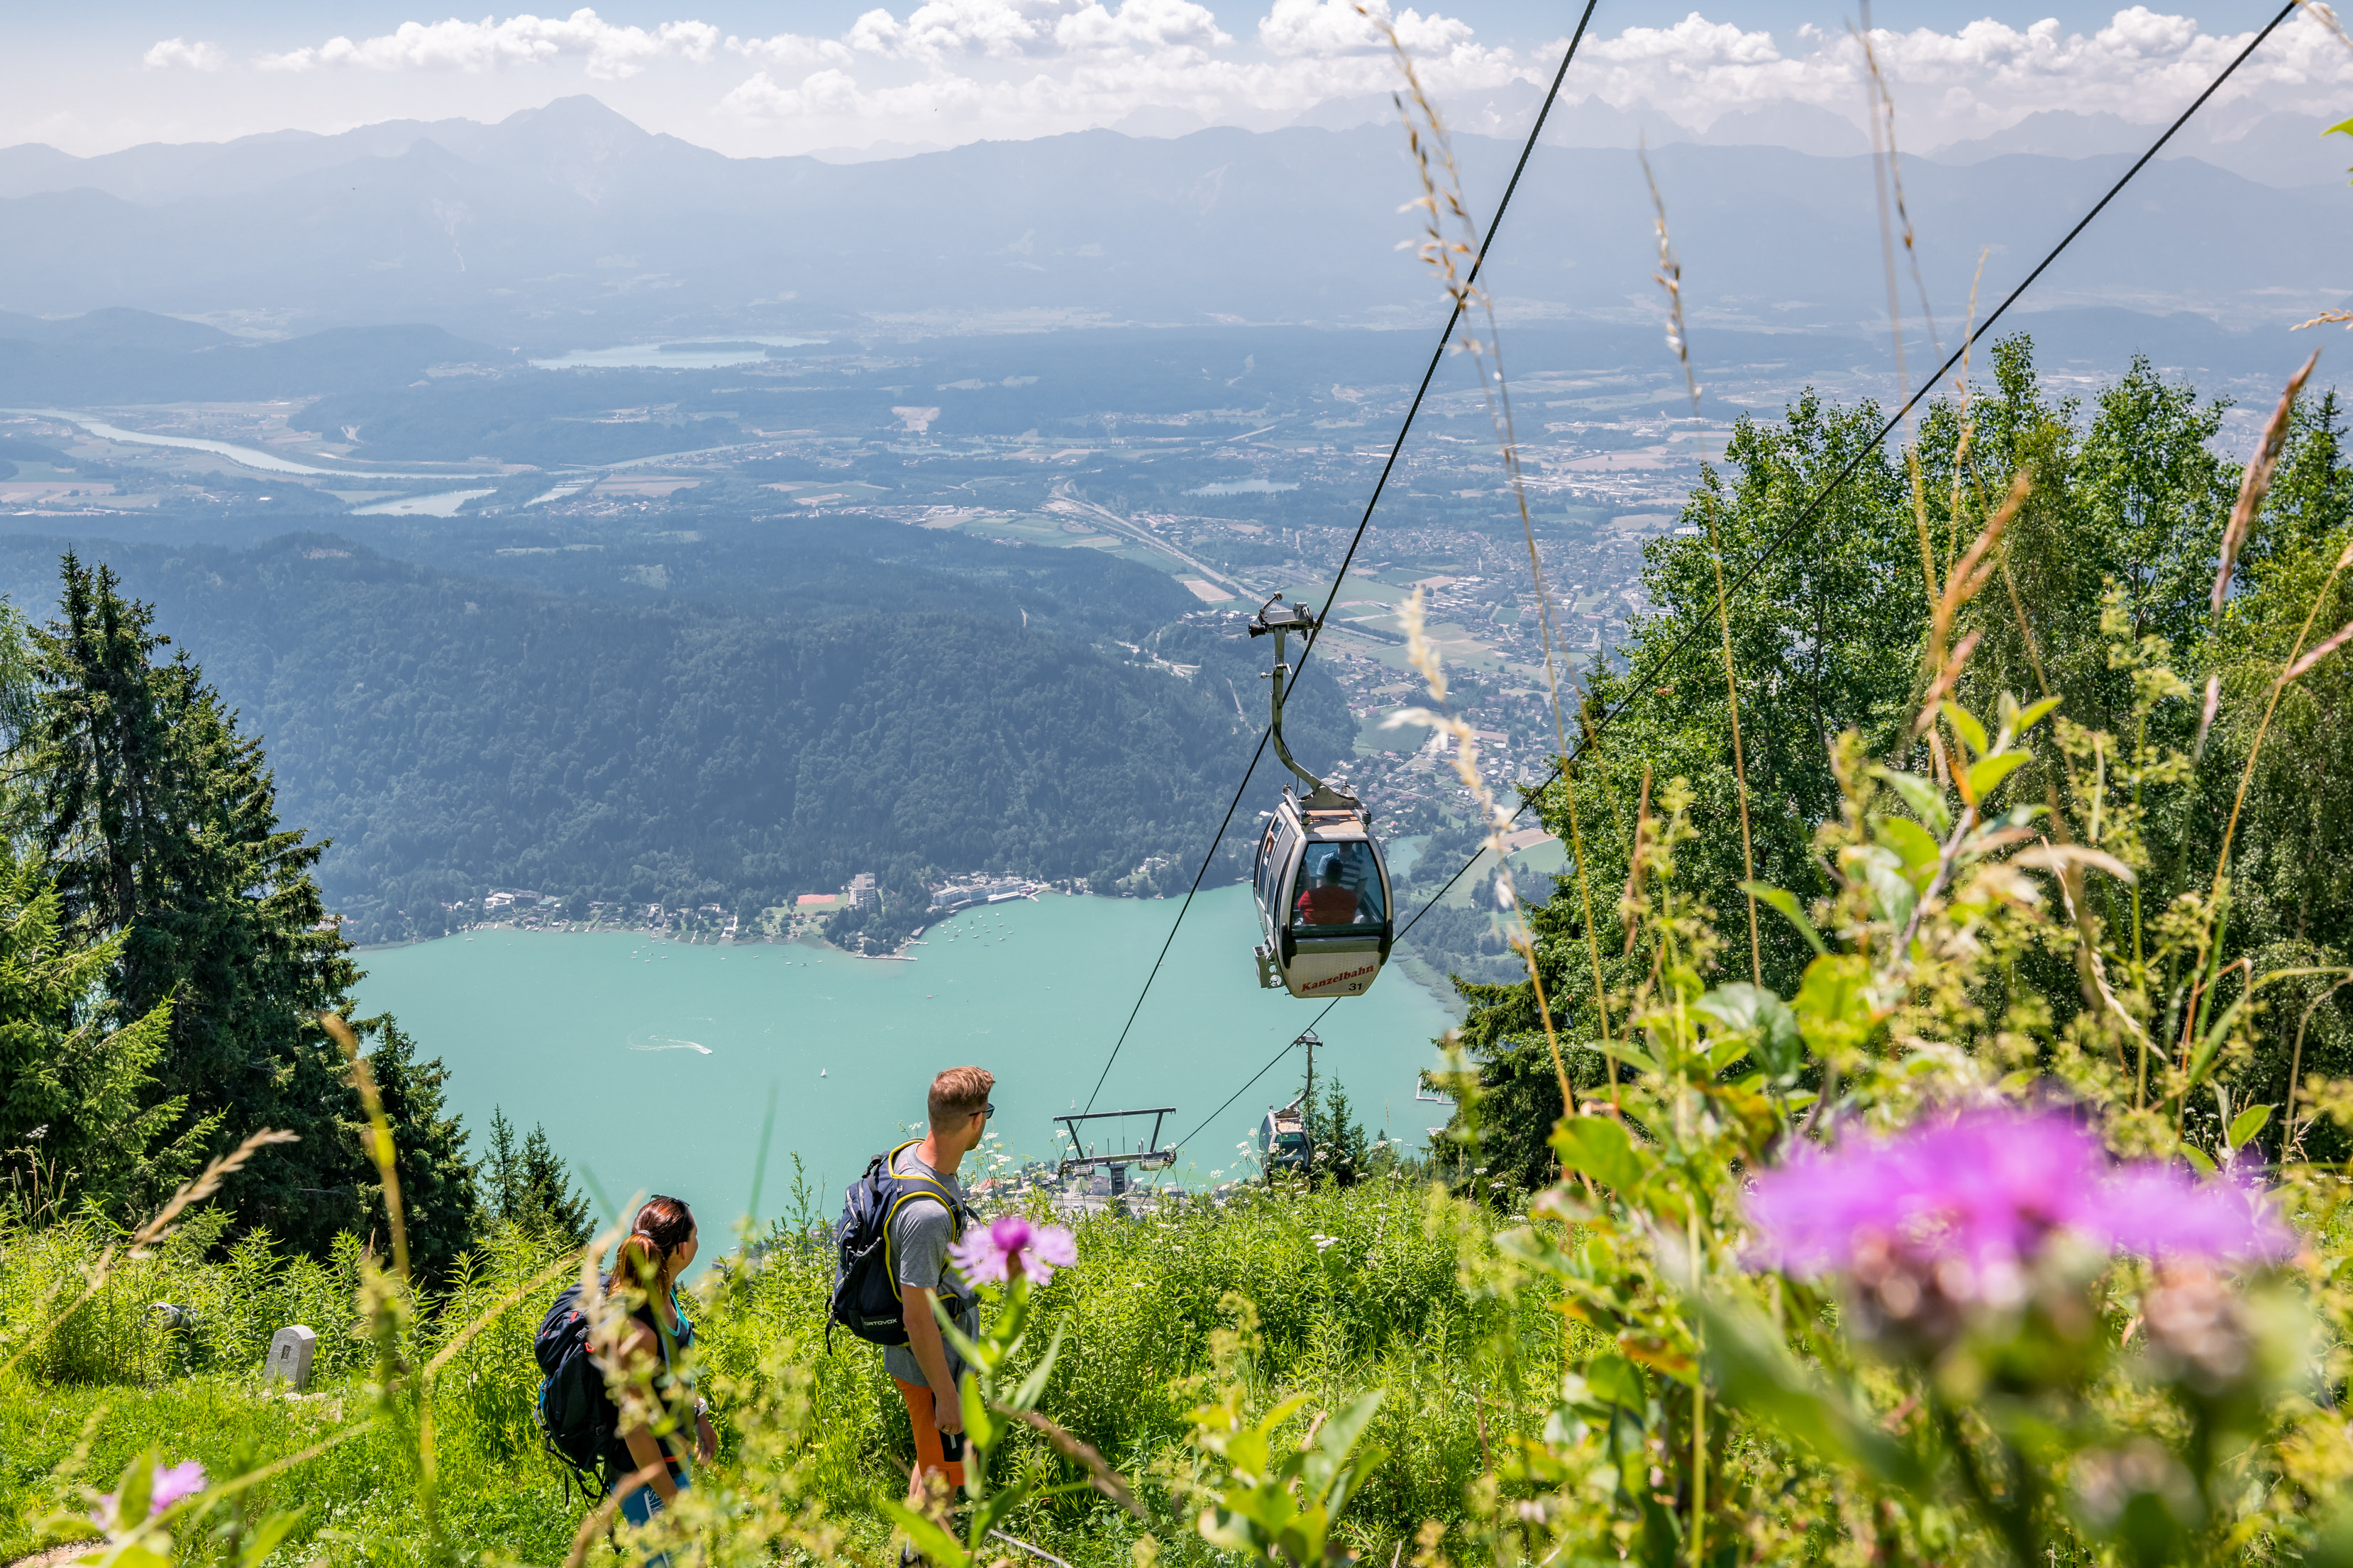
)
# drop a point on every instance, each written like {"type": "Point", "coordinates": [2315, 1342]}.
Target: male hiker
{"type": "Point", "coordinates": [925, 1367]}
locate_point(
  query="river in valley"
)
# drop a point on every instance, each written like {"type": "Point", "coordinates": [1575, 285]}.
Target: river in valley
{"type": "Point", "coordinates": [651, 1063]}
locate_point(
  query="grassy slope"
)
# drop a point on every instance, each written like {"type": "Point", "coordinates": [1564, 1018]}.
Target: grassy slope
{"type": "Point", "coordinates": [1379, 1305]}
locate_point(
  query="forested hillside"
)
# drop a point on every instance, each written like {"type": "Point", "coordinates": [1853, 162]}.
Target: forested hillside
{"type": "Point", "coordinates": [909, 708]}
{"type": "Point", "coordinates": [2106, 597]}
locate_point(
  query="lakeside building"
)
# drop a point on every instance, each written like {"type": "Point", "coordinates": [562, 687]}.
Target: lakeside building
{"type": "Point", "coordinates": [964, 895]}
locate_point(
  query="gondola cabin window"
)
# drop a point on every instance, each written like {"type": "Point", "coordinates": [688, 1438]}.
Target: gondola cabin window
{"type": "Point", "coordinates": [1338, 887]}
{"type": "Point", "coordinates": [1274, 852]}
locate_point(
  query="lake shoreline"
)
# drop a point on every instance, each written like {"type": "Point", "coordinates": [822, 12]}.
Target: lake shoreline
{"type": "Point", "coordinates": [651, 1062]}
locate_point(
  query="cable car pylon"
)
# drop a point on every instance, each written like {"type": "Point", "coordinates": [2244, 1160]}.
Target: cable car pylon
{"type": "Point", "coordinates": [1323, 887]}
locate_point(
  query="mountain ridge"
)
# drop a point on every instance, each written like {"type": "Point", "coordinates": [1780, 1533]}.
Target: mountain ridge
{"type": "Point", "coordinates": [573, 227]}
{"type": "Point", "coordinates": [906, 704]}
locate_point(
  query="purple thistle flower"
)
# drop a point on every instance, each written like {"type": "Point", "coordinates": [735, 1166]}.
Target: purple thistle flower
{"type": "Point", "coordinates": [1986, 1189]}
{"type": "Point", "coordinates": [1011, 1246]}
{"type": "Point", "coordinates": [2162, 1211]}
{"type": "Point", "coordinates": [182, 1480]}
{"type": "Point", "coordinates": [172, 1484]}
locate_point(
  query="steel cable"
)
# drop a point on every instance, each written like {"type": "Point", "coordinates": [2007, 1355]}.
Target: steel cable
{"type": "Point", "coordinates": [1657, 667]}
{"type": "Point", "coordinates": [1454, 316]}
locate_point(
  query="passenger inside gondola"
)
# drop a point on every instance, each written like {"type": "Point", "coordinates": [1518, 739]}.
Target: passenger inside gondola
{"type": "Point", "coordinates": [1339, 888]}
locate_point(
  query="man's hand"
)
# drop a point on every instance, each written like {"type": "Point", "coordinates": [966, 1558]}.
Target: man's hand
{"type": "Point", "coordinates": [706, 1441]}
{"type": "Point", "coordinates": [949, 1412]}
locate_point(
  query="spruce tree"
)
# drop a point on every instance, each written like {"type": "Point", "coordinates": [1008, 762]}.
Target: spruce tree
{"type": "Point", "coordinates": [439, 1200]}
{"type": "Point", "coordinates": [528, 1186]}
{"type": "Point", "coordinates": [77, 1121]}
{"type": "Point", "coordinates": [500, 1171]}
{"type": "Point", "coordinates": [159, 823]}
{"type": "Point", "coordinates": [1342, 1151]}
{"type": "Point", "coordinates": [554, 1207]}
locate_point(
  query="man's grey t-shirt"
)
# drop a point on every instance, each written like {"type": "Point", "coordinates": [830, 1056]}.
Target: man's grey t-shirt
{"type": "Point", "coordinates": [920, 1237]}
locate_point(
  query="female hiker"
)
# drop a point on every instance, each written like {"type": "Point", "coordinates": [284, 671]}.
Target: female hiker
{"type": "Point", "coordinates": [658, 1250]}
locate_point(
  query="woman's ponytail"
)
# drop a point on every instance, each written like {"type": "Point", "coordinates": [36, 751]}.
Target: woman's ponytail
{"type": "Point", "coordinates": [663, 1227]}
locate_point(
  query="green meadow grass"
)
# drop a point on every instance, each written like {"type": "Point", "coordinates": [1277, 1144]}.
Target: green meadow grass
{"type": "Point", "coordinates": [1352, 1289]}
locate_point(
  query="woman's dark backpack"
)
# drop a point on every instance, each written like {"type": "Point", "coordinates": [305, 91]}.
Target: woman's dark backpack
{"type": "Point", "coordinates": [575, 1413]}
{"type": "Point", "coordinates": [866, 1298]}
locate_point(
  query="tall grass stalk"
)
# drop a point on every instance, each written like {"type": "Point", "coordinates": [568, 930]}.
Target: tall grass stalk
{"type": "Point", "coordinates": [2320, 12]}
{"type": "Point", "coordinates": [1739, 756]}
{"type": "Point", "coordinates": [1887, 184]}
{"type": "Point", "coordinates": [1670, 277]}
{"type": "Point", "coordinates": [2254, 486]}
{"type": "Point", "coordinates": [1443, 206]}
{"type": "Point", "coordinates": [1425, 657]}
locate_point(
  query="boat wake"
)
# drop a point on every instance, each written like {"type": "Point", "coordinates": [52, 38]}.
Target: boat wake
{"type": "Point", "coordinates": [666, 1043]}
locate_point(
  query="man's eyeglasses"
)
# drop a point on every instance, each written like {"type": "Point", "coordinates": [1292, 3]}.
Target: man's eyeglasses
{"type": "Point", "coordinates": [986, 1110]}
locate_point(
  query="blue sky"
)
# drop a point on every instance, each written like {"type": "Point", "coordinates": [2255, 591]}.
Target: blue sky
{"type": "Point", "coordinates": [765, 78]}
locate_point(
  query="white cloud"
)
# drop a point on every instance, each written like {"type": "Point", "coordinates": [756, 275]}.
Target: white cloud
{"type": "Point", "coordinates": [1144, 25]}
{"type": "Point", "coordinates": [1327, 27]}
{"type": "Point", "coordinates": [942, 30]}
{"type": "Point", "coordinates": [790, 49]}
{"type": "Point", "coordinates": [995, 29]}
{"type": "Point", "coordinates": [834, 95]}
{"type": "Point", "coordinates": [611, 52]}
{"type": "Point", "coordinates": [2143, 65]}
{"type": "Point", "coordinates": [1019, 68]}
{"type": "Point", "coordinates": [199, 56]}
{"type": "Point", "coordinates": [956, 69]}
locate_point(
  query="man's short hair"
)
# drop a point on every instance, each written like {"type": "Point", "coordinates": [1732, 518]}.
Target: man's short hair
{"type": "Point", "coordinates": [958, 1092]}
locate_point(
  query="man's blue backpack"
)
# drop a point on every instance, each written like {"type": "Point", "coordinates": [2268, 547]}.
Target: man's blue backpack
{"type": "Point", "coordinates": [866, 1298]}
{"type": "Point", "coordinates": [575, 1413]}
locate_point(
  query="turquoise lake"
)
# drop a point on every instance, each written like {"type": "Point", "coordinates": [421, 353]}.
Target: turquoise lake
{"type": "Point", "coordinates": [650, 1063]}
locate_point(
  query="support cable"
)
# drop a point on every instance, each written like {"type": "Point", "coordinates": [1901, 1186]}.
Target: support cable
{"type": "Point", "coordinates": [1380, 486]}
{"type": "Point", "coordinates": [1256, 1076]}
{"type": "Point", "coordinates": [1636, 687]}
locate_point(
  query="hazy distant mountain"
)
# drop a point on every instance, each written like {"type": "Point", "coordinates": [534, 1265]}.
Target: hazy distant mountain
{"type": "Point", "coordinates": [134, 356]}
{"type": "Point", "coordinates": [140, 330]}
{"type": "Point", "coordinates": [1159, 120]}
{"type": "Point", "coordinates": [829, 699]}
{"type": "Point", "coordinates": [2287, 150]}
{"type": "Point", "coordinates": [1505, 111]}
{"type": "Point", "coordinates": [576, 143]}
{"type": "Point", "coordinates": [1801, 127]}
{"type": "Point", "coordinates": [875, 151]}
{"type": "Point", "coordinates": [569, 227]}
{"type": "Point", "coordinates": [2054, 133]}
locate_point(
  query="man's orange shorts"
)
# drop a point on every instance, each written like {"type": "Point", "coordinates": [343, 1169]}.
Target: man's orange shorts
{"type": "Point", "coordinates": [929, 1454]}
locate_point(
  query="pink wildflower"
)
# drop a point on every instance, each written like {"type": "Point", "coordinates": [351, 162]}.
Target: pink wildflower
{"type": "Point", "coordinates": [172, 1484]}
{"type": "Point", "coordinates": [1986, 1189]}
{"type": "Point", "coordinates": [180, 1481]}
{"type": "Point", "coordinates": [1011, 1246]}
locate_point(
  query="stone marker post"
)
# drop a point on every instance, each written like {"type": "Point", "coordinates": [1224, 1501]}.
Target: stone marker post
{"type": "Point", "coordinates": [290, 1355]}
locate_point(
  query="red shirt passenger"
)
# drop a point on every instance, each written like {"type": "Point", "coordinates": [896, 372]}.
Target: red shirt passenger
{"type": "Point", "coordinates": [1330, 903]}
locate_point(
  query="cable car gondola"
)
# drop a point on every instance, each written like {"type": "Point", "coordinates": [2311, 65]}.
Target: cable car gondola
{"type": "Point", "coordinates": [1323, 902]}
{"type": "Point", "coordinates": [1283, 1141]}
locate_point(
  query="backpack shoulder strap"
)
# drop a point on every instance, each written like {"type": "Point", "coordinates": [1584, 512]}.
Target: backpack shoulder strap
{"type": "Point", "coordinates": [902, 1190]}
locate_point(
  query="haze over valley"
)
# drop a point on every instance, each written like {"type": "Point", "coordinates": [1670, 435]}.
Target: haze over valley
{"type": "Point", "coordinates": [662, 457]}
